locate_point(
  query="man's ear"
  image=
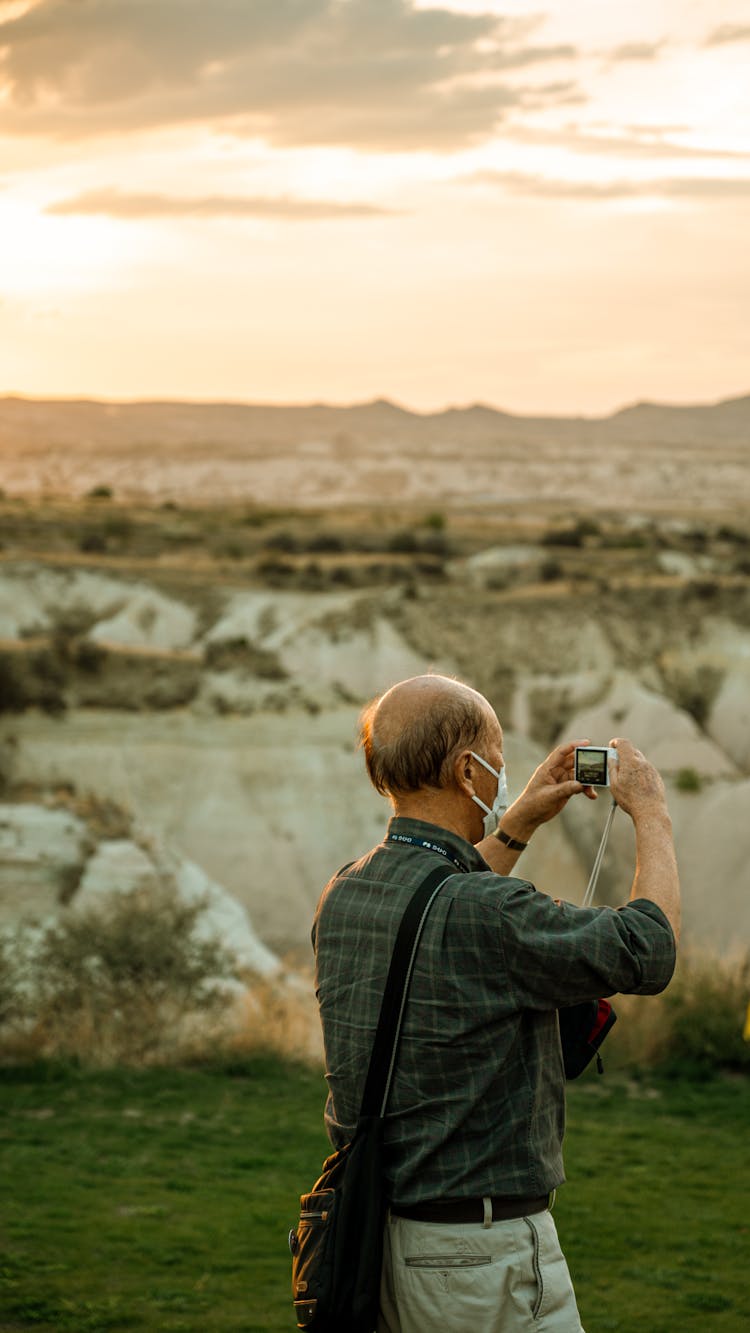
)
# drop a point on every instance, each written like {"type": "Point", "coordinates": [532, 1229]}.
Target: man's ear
{"type": "Point", "coordinates": [462, 773]}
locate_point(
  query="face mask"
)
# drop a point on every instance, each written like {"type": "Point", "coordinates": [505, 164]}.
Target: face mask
{"type": "Point", "coordinates": [500, 804]}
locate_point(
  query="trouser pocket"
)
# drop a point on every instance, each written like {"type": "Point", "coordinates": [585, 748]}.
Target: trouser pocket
{"type": "Point", "coordinates": [446, 1260]}
{"type": "Point", "coordinates": [553, 1304]}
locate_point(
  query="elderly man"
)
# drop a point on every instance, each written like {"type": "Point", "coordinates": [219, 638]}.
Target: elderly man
{"type": "Point", "coordinates": [476, 1113]}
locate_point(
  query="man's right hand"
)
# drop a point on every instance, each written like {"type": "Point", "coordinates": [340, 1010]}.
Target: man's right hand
{"type": "Point", "coordinates": [637, 787]}
{"type": "Point", "coordinates": [635, 784]}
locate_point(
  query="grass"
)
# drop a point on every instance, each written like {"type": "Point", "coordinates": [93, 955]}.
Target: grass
{"type": "Point", "coordinates": [160, 1199]}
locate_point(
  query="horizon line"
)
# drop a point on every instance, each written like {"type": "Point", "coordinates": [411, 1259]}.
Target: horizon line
{"type": "Point", "coordinates": [378, 401]}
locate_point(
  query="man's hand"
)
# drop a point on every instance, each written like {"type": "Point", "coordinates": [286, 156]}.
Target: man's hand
{"type": "Point", "coordinates": [635, 784]}
{"type": "Point", "coordinates": [638, 789]}
{"type": "Point", "coordinates": [546, 793]}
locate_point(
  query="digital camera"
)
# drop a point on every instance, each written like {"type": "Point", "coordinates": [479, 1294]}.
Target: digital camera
{"type": "Point", "coordinates": [592, 764]}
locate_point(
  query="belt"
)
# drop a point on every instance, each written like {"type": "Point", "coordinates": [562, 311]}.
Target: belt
{"type": "Point", "coordinates": [471, 1210]}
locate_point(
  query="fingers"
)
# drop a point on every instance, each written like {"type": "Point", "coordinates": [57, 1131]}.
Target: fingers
{"type": "Point", "coordinates": [560, 761]}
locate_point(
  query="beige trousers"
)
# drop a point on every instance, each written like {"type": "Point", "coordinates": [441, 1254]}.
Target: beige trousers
{"type": "Point", "coordinates": [467, 1278]}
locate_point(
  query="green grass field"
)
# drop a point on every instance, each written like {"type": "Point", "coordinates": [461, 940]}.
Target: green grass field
{"type": "Point", "coordinates": [161, 1199]}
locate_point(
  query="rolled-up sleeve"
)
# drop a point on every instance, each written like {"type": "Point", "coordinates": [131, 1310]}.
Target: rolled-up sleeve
{"type": "Point", "coordinates": [559, 954]}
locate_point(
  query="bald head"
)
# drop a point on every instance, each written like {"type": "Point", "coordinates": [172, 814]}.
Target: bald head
{"type": "Point", "coordinates": [412, 734]}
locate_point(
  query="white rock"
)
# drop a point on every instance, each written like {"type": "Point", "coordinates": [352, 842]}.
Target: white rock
{"type": "Point", "coordinates": [685, 566]}
{"type": "Point", "coordinates": [321, 645]}
{"type": "Point", "coordinates": [668, 737]}
{"type": "Point", "coordinates": [117, 866]}
{"type": "Point", "coordinates": [495, 560]}
{"type": "Point", "coordinates": [712, 835]}
{"type": "Point", "coordinates": [266, 620]}
{"type": "Point", "coordinates": [729, 720]}
{"type": "Point", "coordinates": [39, 850]}
{"type": "Point", "coordinates": [148, 620]}
{"type": "Point", "coordinates": [357, 662]}
{"type": "Point", "coordinates": [31, 833]}
{"type": "Point", "coordinates": [32, 599]}
{"type": "Point", "coordinates": [121, 866]}
{"type": "Point", "coordinates": [238, 691]}
{"type": "Point", "coordinates": [224, 919]}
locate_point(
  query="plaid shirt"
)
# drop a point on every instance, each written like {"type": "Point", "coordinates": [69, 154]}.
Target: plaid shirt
{"type": "Point", "coordinates": [477, 1104]}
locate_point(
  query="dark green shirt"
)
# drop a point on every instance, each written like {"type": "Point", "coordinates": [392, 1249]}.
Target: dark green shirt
{"type": "Point", "coordinates": [477, 1104]}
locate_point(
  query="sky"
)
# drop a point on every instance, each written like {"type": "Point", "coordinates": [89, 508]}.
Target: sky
{"type": "Point", "coordinates": [543, 206]}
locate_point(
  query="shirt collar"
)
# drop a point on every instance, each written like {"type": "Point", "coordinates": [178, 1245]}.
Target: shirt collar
{"type": "Point", "coordinates": [464, 851]}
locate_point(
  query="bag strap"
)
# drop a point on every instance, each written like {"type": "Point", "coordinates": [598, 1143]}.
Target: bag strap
{"type": "Point", "coordinates": [385, 1045]}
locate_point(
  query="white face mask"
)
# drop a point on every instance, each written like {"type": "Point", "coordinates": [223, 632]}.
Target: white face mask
{"type": "Point", "coordinates": [500, 804]}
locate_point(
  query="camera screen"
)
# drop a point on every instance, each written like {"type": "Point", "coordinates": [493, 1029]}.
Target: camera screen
{"type": "Point", "coordinates": [591, 767]}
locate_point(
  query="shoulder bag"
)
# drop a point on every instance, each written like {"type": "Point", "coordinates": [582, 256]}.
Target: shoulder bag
{"type": "Point", "coordinates": [337, 1246]}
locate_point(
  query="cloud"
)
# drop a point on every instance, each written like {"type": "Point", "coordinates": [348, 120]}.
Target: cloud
{"type": "Point", "coordinates": [636, 51]}
{"type": "Point", "coordinates": [367, 73]}
{"type": "Point", "coordinates": [116, 204]}
{"type": "Point", "coordinates": [728, 32]}
{"type": "Point", "coordinates": [686, 187]}
{"type": "Point", "coordinates": [638, 141]}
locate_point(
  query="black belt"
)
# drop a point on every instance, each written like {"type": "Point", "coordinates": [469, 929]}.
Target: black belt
{"type": "Point", "coordinates": [471, 1210]}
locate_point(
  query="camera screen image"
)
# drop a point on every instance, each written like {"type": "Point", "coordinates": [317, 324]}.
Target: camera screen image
{"type": "Point", "coordinates": [591, 767]}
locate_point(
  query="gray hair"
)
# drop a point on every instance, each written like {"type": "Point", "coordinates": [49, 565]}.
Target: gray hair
{"type": "Point", "coordinates": [421, 754]}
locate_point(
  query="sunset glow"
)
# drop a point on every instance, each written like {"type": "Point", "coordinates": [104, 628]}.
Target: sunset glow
{"type": "Point", "coordinates": [545, 209]}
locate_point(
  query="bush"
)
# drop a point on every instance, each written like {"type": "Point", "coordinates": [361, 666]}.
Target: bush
{"type": "Point", "coordinates": [325, 543]}
{"type": "Point", "coordinates": [13, 695]}
{"type": "Point", "coordinates": [551, 570]}
{"type": "Point", "coordinates": [12, 1003]}
{"type": "Point", "coordinates": [123, 985]}
{"type": "Point", "coordinates": [695, 1027]}
{"type": "Point", "coordinates": [706, 1007]}
{"type": "Point", "coordinates": [89, 657]}
{"type": "Point", "coordinates": [282, 541]}
{"type": "Point", "coordinates": [403, 542]}
{"type": "Point", "coordinates": [689, 780]}
{"type": "Point", "coordinates": [35, 680]}
{"type": "Point", "coordinates": [93, 543]}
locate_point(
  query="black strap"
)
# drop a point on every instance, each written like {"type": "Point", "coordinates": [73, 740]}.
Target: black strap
{"type": "Point", "coordinates": [392, 1007]}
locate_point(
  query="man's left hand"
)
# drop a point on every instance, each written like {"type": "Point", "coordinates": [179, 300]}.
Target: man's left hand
{"type": "Point", "coordinates": [546, 793]}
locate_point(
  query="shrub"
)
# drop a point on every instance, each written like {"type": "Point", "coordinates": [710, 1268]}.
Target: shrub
{"type": "Point", "coordinates": [99, 493]}
{"type": "Point", "coordinates": [706, 1007]}
{"type": "Point", "coordinates": [435, 521]}
{"type": "Point", "coordinates": [229, 654]}
{"type": "Point", "coordinates": [282, 541]}
{"type": "Point", "coordinates": [35, 680]}
{"type": "Point", "coordinates": [436, 543]}
{"type": "Point", "coordinates": [121, 984]}
{"type": "Point", "coordinates": [322, 543]}
{"type": "Point", "coordinates": [89, 657]}
{"type": "Point", "coordinates": [93, 543]}
{"type": "Point", "coordinates": [550, 571]}
{"type": "Point", "coordinates": [120, 527]}
{"type": "Point", "coordinates": [11, 982]}
{"type": "Point", "coordinates": [705, 589]}
{"type": "Point", "coordinates": [695, 1027]}
{"type": "Point", "coordinates": [403, 542]}
{"type": "Point", "coordinates": [13, 695]}
{"type": "Point", "coordinates": [689, 780]}
{"type": "Point", "coordinates": [275, 571]}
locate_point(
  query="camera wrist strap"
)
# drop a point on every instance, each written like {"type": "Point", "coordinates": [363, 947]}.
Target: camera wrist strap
{"type": "Point", "coordinates": [588, 896]}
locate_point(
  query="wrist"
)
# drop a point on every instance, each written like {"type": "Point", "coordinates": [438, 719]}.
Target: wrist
{"type": "Point", "coordinates": [652, 816]}
{"type": "Point", "coordinates": [514, 825]}
{"type": "Point", "coordinates": [513, 844]}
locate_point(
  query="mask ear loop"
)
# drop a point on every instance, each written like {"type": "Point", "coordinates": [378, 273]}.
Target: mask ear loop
{"type": "Point", "coordinates": [588, 896]}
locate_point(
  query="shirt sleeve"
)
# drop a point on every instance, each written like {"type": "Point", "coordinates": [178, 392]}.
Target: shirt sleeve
{"type": "Point", "coordinates": [560, 954]}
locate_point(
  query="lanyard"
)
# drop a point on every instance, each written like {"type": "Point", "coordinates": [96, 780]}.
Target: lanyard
{"type": "Point", "coordinates": [429, 846]}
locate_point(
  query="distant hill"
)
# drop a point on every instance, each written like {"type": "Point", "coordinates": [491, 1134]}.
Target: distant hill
{"type": "Point", "coordinates": [649, 454]}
